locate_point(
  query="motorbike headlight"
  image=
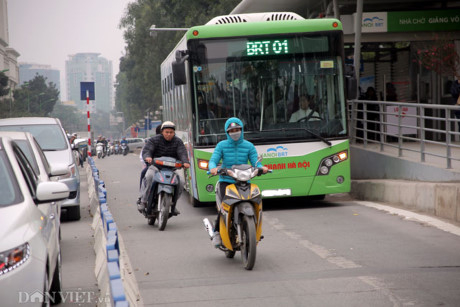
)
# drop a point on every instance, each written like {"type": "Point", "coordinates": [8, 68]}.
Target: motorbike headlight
{"type": "Point", "coordinates": [243, 175]}
{"type": "Point", "coordinates": [13, 258]}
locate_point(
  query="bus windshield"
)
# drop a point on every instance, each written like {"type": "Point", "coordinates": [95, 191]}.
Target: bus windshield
{"type": "Point", "coordinates": [284, 89]}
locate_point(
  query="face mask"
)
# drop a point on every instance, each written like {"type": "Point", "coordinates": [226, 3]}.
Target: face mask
{"type": "Point", "coordinates": [235, 135]}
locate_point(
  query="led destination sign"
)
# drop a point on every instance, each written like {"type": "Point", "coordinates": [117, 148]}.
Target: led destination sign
{"type": "Point", "coordinates": [267, 47]}
{"type": "Point", "coordinates": [261, 46]}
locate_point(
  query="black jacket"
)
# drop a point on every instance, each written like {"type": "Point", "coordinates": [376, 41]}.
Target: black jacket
{"type": "Point", "coordinates": [157, 146]}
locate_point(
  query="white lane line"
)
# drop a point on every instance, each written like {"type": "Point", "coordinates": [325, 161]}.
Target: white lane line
{"type": "Point", "coordinates": [319, 250]}
{"type": "Point", "coordinates": [412, 216]}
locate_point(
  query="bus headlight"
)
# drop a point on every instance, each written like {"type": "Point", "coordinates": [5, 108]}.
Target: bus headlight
{"type": "Point", "coordinates": [203, 164]}
{"type": "Point", "coordinates": [328, 162]}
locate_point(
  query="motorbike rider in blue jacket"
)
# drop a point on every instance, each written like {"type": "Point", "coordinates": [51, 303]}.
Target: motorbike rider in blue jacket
{"type": "Point", "coordinates": [232, 151]}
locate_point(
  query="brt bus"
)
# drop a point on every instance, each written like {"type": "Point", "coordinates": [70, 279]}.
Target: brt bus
{"type": "Point", "coordinates": [255, 67]}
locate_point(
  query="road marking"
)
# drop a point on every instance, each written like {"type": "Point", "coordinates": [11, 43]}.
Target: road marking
{"type": "Point", "coordinates": [412, 216]}
{"type": "Point", "coordinates": [375, 283]}
{"type": "Point", "coordinates": [319, 250]}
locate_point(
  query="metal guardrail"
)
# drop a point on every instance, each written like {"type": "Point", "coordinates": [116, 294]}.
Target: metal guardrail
{"type": "Point", "coordinates": [397, 124]}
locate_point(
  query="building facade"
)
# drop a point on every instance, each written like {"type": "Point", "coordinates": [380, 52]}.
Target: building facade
{"type": "Point", "coordinates": [392, 36]}
{"type": "Point", "coordinates": [90, 67]}
{"type": "Point", "coordinates": [8, 55]}
{"type": "Point", "coordinates": [28, 71]}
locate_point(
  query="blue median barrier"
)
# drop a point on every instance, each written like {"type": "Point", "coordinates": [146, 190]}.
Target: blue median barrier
{"type": "Point", "coordinates": [116, 287]}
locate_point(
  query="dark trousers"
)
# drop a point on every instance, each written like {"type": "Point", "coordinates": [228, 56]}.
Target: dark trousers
{"type": "Point", "coordinates": [221, 191]}
{"type": "Point", "coordinates": [143, 175]}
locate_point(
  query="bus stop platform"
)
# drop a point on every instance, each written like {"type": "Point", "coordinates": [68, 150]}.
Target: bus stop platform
{"type": "Point", "coordinates": [398, 177]}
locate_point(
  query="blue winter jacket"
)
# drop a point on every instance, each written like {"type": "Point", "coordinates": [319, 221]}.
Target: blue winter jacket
{"type": "Point", "coordinates": [233, 152]}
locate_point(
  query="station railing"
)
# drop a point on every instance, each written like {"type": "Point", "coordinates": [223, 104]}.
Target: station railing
{"type": "Point", "coordinates": [400, 124]}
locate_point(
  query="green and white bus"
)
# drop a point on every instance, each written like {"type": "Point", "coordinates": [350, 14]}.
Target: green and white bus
{"type": "Point", "coordinates": [256, 67]}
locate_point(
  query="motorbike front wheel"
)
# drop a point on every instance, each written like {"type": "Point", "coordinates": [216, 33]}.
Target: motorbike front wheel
{"type": "Point", "coordinates": [99, 155]}
{"type": "Point", "coordinates": [248, 249]}
{"type": "Point", "coordinates": [165, 203]}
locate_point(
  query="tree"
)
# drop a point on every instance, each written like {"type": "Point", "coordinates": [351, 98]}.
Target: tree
{"type": "Point", "coordinates": [139, 82]}
{"type": "Point", "coordinates": [440, 56]}
{"type": "Point", "coordinates": [71, 118]}
{"type": "Point", "coordinates": [4, 89]}
{"type": "Point", "coordinates": [34, 98]}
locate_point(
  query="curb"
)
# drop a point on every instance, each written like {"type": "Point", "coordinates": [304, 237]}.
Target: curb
{"type": "Point", "coordinates": [112, 264]}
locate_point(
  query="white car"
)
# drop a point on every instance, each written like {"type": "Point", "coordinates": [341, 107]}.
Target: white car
{"type": "Point", "coordinates": [135, 143]}
{"type": "Point", "coordinates": [30, 257]}
{"type": "Point", "coordinates": [53, 140]}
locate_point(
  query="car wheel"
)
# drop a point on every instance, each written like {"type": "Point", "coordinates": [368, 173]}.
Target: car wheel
{"type": "Point", "coordinates": [73, 213]}
{"type": "Point", "coordinates": [46, 300]}
{"type": "Point", "coordinates": [56, 285]}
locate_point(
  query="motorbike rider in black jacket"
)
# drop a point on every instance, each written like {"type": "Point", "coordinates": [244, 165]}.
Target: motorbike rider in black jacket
{"type": "Point", "coordinates": [165, 144]}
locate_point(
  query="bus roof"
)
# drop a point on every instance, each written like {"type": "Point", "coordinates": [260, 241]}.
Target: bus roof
{"type": "Point", "coordinates": [263, 27]}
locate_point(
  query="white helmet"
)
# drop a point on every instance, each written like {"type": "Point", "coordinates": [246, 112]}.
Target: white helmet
{"type": "Point", "coordinates": [168, 124]}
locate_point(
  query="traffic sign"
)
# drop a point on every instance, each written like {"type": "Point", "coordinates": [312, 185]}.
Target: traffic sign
{"type": "Point", "coordinates": [87, 86]}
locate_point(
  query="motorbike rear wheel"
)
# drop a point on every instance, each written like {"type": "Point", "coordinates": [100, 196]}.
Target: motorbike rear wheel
{"type": "Point", "coordinates": [165, 203]}
{"type": "Point", "coordinates": [248, 249]}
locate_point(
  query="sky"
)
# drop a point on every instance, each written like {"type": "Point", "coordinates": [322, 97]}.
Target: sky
{"type": "Point", "coordinates": [46, 32]}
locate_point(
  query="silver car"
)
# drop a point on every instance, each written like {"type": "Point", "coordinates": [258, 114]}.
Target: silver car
{"type": "Point", "coordinates": [30, 258]}
{"type": "Point", "coordinates": [53, 140]}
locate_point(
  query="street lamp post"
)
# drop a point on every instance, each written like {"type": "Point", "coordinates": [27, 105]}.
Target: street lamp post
{"type": "Point", "coordinates": [153, 29]}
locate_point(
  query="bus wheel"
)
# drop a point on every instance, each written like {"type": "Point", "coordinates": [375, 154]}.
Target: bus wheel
{"type": "Point", "coordinates": [195, 202]}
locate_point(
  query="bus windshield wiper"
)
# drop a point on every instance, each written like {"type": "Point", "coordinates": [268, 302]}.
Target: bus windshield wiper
{"type": "Point", "coordinates": [304, 129]}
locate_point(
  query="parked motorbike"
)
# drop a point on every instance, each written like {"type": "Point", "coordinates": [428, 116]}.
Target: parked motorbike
{"type": "Point", "coordinates": [163, 194]}
{"type": "Point", "coordinates": [100, 150]}
{"type": "Point", "coordinates": [124, 149]}
{"type": "Point", "coordinates": [116, 149]}
{"type": "Point", "coordinates": [240, 218]}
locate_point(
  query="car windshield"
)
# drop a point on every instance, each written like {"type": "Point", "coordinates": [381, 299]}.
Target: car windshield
{"type": "Point", "coordinates": [9, 189]}
{"type": "Point", "coordinates": [50, 137]}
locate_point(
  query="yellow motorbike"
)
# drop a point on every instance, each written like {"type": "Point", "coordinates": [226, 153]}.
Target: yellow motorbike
{"type": "Point", "coordinates": [240, 218]}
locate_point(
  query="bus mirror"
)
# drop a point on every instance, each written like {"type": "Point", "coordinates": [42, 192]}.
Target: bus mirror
{"type": "Point", "coordinates": [178, 68]}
